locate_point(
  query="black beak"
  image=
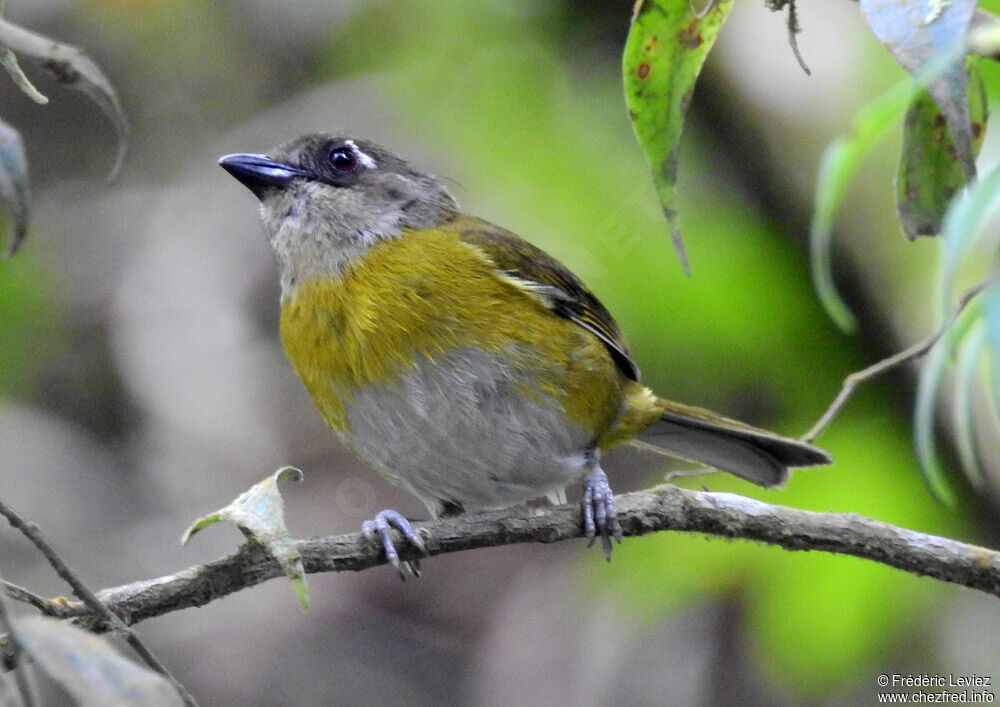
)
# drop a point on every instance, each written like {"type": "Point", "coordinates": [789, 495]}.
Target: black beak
{"type": "Point", "coordinates": [259, 172]}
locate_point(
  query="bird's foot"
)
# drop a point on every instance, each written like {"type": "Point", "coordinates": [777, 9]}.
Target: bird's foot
{"type": "Point", "coordinates": [599, 514]}
{"type": "Point", "coordinates": [378, 531]}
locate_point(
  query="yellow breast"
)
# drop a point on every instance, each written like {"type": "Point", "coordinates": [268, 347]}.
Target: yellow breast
{"type": "Point", "coordinates": [425, 294]}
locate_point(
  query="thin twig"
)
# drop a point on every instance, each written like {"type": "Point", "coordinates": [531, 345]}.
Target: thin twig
{"type": "Point", "coordinates": [30, 531]}
{"type": "Point", "coordinates": [21, 678]}
{"type": "Point", "coordinates": [919, 349]}
{"type": "Point", "coordinates": [56, 608]}
{"type": "Point", "coordinates": [663, 508]}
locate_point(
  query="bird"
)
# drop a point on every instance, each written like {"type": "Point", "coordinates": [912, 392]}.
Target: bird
{"type": "Point", "coordinates": [461, 362]}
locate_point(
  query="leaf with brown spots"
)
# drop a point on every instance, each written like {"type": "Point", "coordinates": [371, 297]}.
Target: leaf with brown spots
{"type": "Point", "coordinates": [666, 48]}
{"type": "Point", "coordinates": [929, 172]}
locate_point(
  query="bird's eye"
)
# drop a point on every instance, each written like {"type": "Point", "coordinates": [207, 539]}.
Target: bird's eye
{"type": "Point", "coordinates": [344, 159]}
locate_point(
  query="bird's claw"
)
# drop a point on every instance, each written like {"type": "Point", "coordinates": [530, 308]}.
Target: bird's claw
{"type": "Point", "coordinates": [599, 514]}
{"type": "Point", "coordinates": [378, 530]}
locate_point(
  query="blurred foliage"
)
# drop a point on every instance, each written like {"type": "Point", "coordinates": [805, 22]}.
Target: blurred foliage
{"type": "Point", "coordinates": [89, 668]}
{"type": "Point", "coordinates": [839, 167]}
{"type": "Point", "coordinates": [67, 65]}
{"type": "Point", "coordinates": [966, 240]}
{"type": "Point", "coordinates": [551, 157]}
{"type": "Point", "coordinates": [964, 330]}
{"type": "Point", "coordinates": [27, 322]}
{"type": "Point", "coordinates": [185, 64]}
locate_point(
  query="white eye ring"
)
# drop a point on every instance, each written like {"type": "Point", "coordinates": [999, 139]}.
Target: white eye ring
{"type": "Point", "coordinates": [363, 159]}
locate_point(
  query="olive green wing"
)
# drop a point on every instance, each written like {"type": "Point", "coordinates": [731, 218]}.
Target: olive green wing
{"type": "Point", "coordinates": [550, 281]}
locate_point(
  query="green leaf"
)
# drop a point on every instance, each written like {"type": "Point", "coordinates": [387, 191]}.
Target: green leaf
{"type": "Point", "coordinates": [991, 307]}
{"type": "Point", "coordinates": [666, 47]}
{"type": "Point", "coordinates": [928, 388]}
{"type": "Point", "coordinates": [966, 379]}
{"type": "Point", "coordinates": [14, 185]}
{"type": "Point", "coordinates": [924, 438]}
{"type": "Point", "coordinates": [839, 163]}
{"type": "Point", "coordinates": [929, 172]}
{"type": "Point", "coordinates": [259, 514]}
{"type": "Point", "coordinates": [88, 668]}
{"type": "Point", "coordinates": [962, 229]}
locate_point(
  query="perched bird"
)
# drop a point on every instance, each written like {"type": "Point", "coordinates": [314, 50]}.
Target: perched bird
{"type": "Point", "coordinates": [461, 362]}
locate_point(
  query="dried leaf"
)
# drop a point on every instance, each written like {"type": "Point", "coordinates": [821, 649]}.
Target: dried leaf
{"type": "Point", "coordinates": [666, 47]}
{"type": "Point", "coordinates": [259, 514]}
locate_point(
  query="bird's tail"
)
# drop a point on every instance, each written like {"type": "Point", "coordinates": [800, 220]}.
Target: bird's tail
{"type": "Point", "coordinates": [751, 453]}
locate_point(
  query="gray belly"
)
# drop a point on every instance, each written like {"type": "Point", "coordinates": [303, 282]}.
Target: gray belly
{"type": "Point", "coordinates": [462, 431]}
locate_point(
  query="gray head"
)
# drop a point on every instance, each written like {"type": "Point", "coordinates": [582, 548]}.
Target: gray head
{"type": "Point", "coordinates": [326, 199]}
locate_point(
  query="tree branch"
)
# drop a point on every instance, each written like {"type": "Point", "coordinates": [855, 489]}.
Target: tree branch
{"type": "Point", "coordinates": [663, 508]}
{"type": "Point", "coordinates": [25, 690]}
{"type": "Point", "coordinates": [89, 600]}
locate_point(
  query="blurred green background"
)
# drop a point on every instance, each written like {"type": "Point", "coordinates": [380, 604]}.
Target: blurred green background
{"type": "Point", "coordinates": [143, 383]}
